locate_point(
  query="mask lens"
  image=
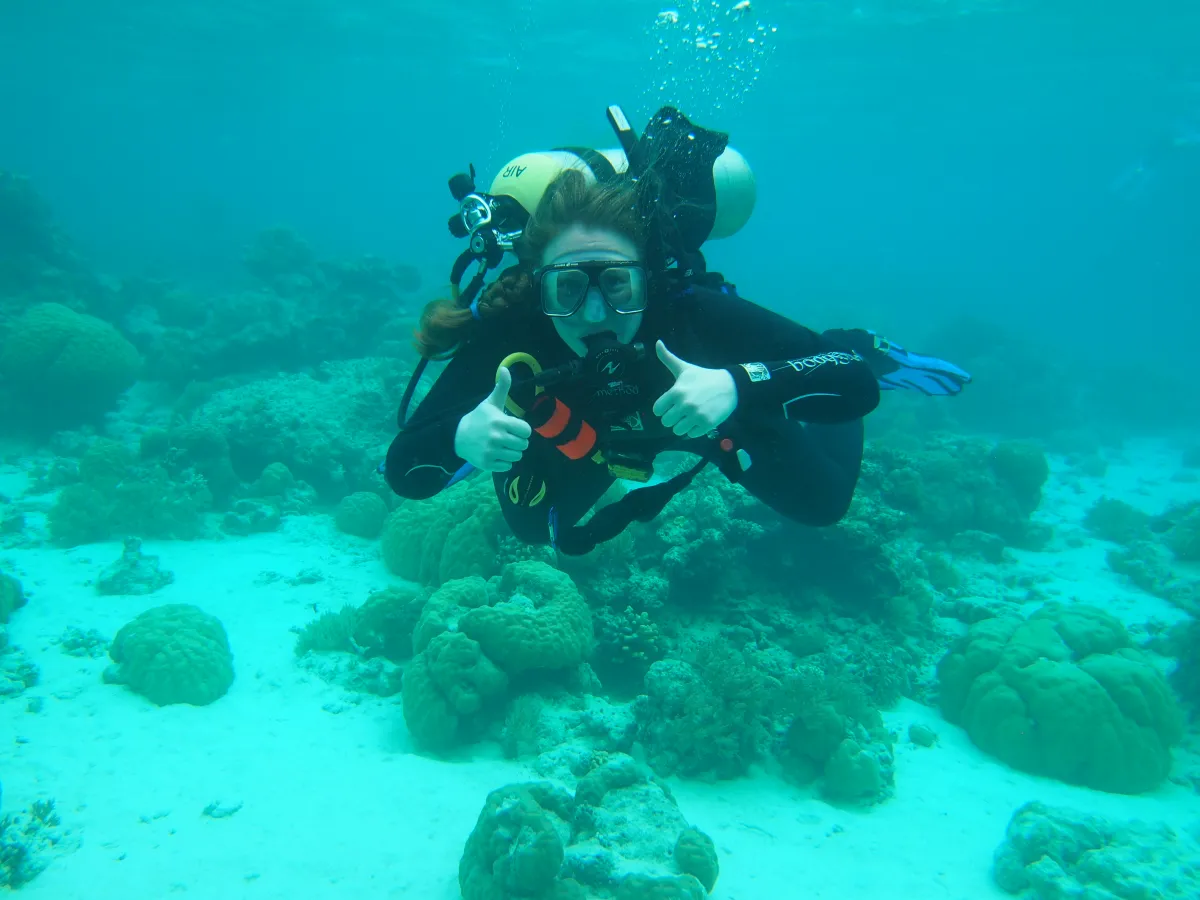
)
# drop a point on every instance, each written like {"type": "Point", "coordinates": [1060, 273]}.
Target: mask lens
{"type": "Point", "coordinates": [565, 288]}
{"type": "Point", "coordinates": [624, 288]}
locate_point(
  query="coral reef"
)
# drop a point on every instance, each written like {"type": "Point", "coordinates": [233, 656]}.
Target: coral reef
{"type": "Point", "coordinates": [116, 494]}
{"type": "Point", "coordinates": [77, 642]}
{"type": "Point", "coordinates": [67, 368]}
{"type": "Point", "coordinates": [29, 841]}
{"type": "Point", "coordinates": [17, 672]}
{"type": "Point", "coordinates": [704, 717]}
{"type": "Point", "coordinates": [331, 632]}
{"type": "Point", "coordinates": [385, 622]}
{"type": "Point", "coordinates": [621, 835]}
{"type": "Point", "coordinates": [1063, 694]}
{"type": "Point", "coordinates": [1148, 565]}
{"type": "Point", "coordinates": [12, 596]}
{"type": "Point", "coordinates": [628, 643]}
{"type": "Point", "coordinates": [716, 637]}
{"type": "Point", "coordinates": [173, 654]}
{"type": "Point", "coordinates": [301, 312]}
{"type": "Point", "coordinates": [956, 485]}
{"type": "Point", "coordinates": [452, 535]}
{"type": "Point", "coordinates": [361, 514]}
{"type": "Point", "coordinates": [450, 689]}
{"type": "Point", "coordinates": [135, 573]}
{"type": "Point", "coordinates": [1180, 526]}
{"type": "Point", "coordinates": [1051, 852]}
{"type": "Point", "coordinates": [543, 624]}
{"type": "Point", "coordinates": [834, 734]}
{"type": "Point", "coordinates": [1185, 676]}
{"type": "Point", "coordinates": [325, 427]}
{"type": "Point", "coordinates": [1117, 521]}
{"type": "Point", "coordinates": [474, 637]}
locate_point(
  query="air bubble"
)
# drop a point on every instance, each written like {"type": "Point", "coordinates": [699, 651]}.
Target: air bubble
{"type": "Point", "coordinates": [706, 51]}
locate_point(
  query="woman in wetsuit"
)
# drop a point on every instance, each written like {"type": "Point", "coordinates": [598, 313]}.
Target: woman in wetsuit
{"type": "Point", "coordinates": [591, 358]}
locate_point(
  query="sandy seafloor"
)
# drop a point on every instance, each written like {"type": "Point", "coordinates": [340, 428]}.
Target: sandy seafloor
{"type": "Point", "coordinates": [334, 802]}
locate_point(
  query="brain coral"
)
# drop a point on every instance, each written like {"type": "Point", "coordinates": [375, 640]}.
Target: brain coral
{"type": "Point", "coordinates": [65, 364]}
{"type": "Point", "coordinates": [544, 624]}
{"type": "Point", "coordinates": [1063, 694]}
{"type": "Point", "coordinates": [173, 654]}
{"type": "Point", "coordinates": [452, 535]}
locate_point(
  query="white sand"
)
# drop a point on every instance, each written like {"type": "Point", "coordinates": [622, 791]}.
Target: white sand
{"type": "Point", "coordinates": [335, 804]}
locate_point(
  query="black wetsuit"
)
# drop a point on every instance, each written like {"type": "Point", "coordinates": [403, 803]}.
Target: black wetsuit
{"type": "Point", "coordinates": [801, 399]}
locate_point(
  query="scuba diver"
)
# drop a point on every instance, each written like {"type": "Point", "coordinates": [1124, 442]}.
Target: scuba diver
{"type": "Point", "coordinates": [608, 343]}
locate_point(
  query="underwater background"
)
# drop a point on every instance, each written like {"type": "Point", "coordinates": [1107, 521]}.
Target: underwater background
{"type": "Point", "coordinates": [233, 664]}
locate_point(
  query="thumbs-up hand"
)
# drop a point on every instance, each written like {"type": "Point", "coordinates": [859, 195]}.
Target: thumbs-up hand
{"type": "Point", "coordinates": [699, 401]}
{"type": "Point", "coordinates": [488, 437]}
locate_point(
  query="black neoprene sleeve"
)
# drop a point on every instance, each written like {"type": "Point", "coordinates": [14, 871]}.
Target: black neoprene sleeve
{"type": "Point", "coordinates": [778, 365]}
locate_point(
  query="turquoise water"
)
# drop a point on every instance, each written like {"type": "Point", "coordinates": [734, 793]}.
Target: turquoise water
{"type": "Point", "coordinates": [219, 627]}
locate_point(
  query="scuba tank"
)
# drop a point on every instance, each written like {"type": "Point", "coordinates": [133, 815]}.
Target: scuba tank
{"type": "Point", "coordinates": [706, 190]}
{"type": "Point", "coordinates": [525, 179]}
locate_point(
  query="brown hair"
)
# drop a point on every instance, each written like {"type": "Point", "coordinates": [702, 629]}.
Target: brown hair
{"type": "Point", "coordinates": [569, 200]}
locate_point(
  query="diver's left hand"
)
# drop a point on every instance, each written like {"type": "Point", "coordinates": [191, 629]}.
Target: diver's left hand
{"type": "Point", "coordinates": [699, 401]}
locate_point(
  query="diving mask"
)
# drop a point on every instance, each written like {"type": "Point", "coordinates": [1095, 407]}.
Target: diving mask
{"type": "Point", "coordinates": [564, 286]}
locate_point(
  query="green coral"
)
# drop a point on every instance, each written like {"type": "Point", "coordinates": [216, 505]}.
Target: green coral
{"type": "Point", "coordinates": [118, 495]}
{"type": "Point", "coordinates": [175, 653]}
{"type": "Point", "coordinates": [446, 606]}
{"type": "Point", "coordinates": [627, 644]}
{"type": "Point", "coordinates": [452, 535]}
{"type": "Point", "coordinates": [1148, 565]}
{"type": "Point", "coordinates": [1185, 676]}
{"type": "Point", "coordinates": [954, 485]}
{"type": "Point", "coordinates": [544, 624]}
{"type": "Point", "coordinates": [1051, 852]}
{"type": "Point", "coordinates": [275, 481]}
{"type": "Point", "coordinates": [331, 632]}
{"type": "Point", "coordinates": [385, 622]}
{"type": "Point", "coordinates": [12, 596]}
{"type": "Point", "coordinates": [67, 368]}
{"type": "Point", "coordinates": [194, 449]}
{"type": "Point", "coordinates": [29, 839]}
{"type": "Point", "coordinates": [361, 514]}
{"type": "Point", "coordinates": [518, 844]}
{"type": "Point", "coordinates": [382, 627]}
{"type": "Point", "coordinates": [621, 836]}
{"type": "Point", "coordinates": [448, 691]}
{"type": "Point", "coordinates": [1183, 535]}
{"type": "Point", "coordinates": [703, 717]}
{"type": "Point", "coordinates": [322, 424]}
{"type": "Point", "coordinates": [17, 673]}
{"type": "Point", "coordinates": [251, 517]}
{"type": "Point", "coordinates": [1117, 521]}
{"type": "Point", "coordinates": [703, 536]}
{"type": "Point", "coordinates": [853, 774]}
{"type": "Point", "coordinates": [837, 734]}
{"type": "Point", "coordinates": [77, 642]}
{"type": "Point", "coordinates": [1022, 467]}
{"type": "Point", "coordinates": [1063, 694]}
{"type": "Point", "coordinates": [696, 855]}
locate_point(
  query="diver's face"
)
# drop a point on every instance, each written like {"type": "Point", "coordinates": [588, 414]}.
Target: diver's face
{"type": "Point", "coordinates": [625, 287]}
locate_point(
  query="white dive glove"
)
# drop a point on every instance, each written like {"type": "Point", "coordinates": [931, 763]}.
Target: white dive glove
{"type": "Point", "coordinates": [699, 401]}
{"type": "Point", "coordinates": [488, 437]}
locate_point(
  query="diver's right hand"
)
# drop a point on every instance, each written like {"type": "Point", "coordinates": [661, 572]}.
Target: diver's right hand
{"type": "Point", "coordinates": [488, 437]}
